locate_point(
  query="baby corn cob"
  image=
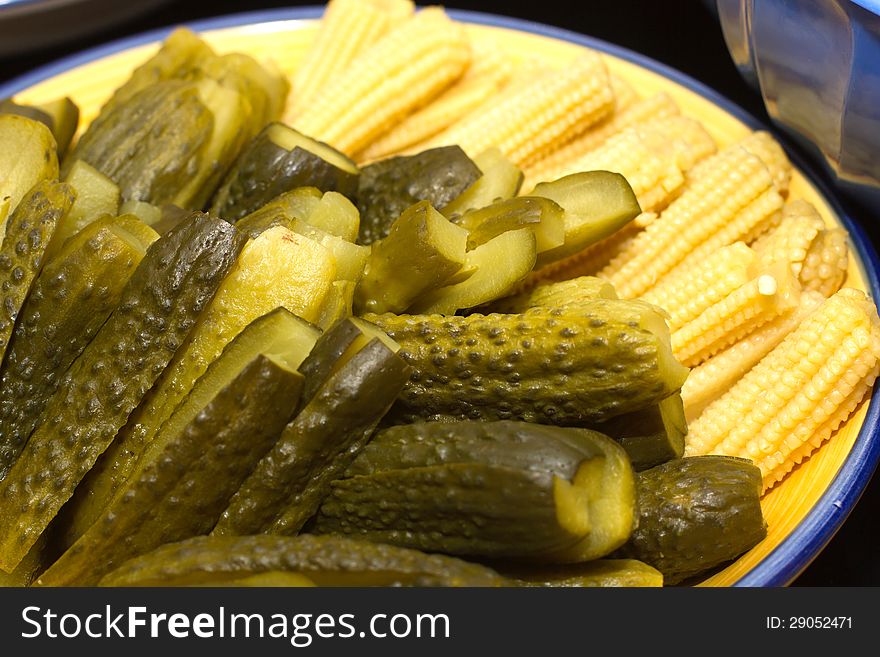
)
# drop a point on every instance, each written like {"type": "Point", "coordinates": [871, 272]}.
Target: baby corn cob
{"type": "Point", "coordinates": [733, 200]}
{"type": "Point", "coordinates": [825, 266]}
{"type": "Point", "coordinates": [790, 241]}
{"type": "Point", "coordinates": [764, 146]}
{"type": "Point", "coordinates": [763, 298]}
{"type": "Point", "coordinates": [652, 157]}
{"type": "Point", "coordinates": [685, 297]}
{"type": "Point", "coordinates": [641, 111]}
{"type": "Point", "coordinates": [400, 72]}
{"type": "Point", "coordinates": [486, 75]}
{"type": "Point", "coordinates": [346, 28]}
{"type": "Point", "coordinates": [532, 121]}
{"type": "Point", "coordinates": [715, 376]}
{"type": "Point", "coordinates": [800, 393]}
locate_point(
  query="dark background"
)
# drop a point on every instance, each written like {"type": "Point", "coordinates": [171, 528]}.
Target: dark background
{"type": "Point", "coordinates": [683, 34]}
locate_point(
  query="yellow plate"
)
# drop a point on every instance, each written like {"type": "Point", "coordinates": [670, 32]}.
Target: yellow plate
{"type": "Point", "coordinates": [795, 534]}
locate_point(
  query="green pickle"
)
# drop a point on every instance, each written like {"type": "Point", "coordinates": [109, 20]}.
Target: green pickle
{"type": "Point", "coordinates": [549, 366]}
{"type": "Point", "coordinates": [61, 116]}
{"type": "Point", "coordinates": [596, 204]}
{"type": "Point", "coordinates": [28, 233]}
{"type": "Point", "coordinates": [500, 179]}
{"type": "Point", "coordinates": [601, 573]}
{"type": "Point", "coordinates": [388, 187]}
{"type": "Point", "coordinates": [543, 216]}
{"type": "Point", "coordinates": [696, 513]}
{"type": "Point", "coordinates": [159, 306]}
{"type": "Point", "coordinates": [575, 291]}
{"type": "Point", "coordinates": [68, 303]}
{"type": "Point", "coordinates": [489, 489]}
{"type": "Point", "coordinates": [200, 457]}
{"type": "Point", "coordinates": [421, 252]}
{"type": "Point", "coordinates": [27, 157]}
{"type": "Point", "coordinates": [323, 560]}
{"type": "Point", "coordinates": [287, 486]}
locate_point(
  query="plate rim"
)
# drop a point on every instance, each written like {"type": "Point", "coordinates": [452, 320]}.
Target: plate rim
{"type": "Point", "coordinates": [810, 536]}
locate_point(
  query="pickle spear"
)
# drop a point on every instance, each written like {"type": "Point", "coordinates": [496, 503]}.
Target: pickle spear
{"type": "Point", "coordinates": [602, 573]}
{"type": "Point", "coordinates": [325, 560]}
{"type": "Point", "coordinates": [28, 233]}
{"type": "Point", "coordinates": [278, 269]}
{"type": "Point", "coordinates": [286, 487]}
{"type": "Point", "coordinates": [27, 156]}
{"type": "Point", "coordinates": [61, 116]}
{"type": "Point", "coordinates": [202, 454]}
{"type": "Point", "coordinates": [69, 302]}
{"type": "Point", "coordinates": [159, 306]}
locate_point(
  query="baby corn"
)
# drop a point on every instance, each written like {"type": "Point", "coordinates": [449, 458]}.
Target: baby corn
{"type": "Point", "coordinates": [734, 199]}
{"type": "Point", "coordinates": [399, 73]}
{"type": "Point", "coordinates": [482, 81]}
{"type": "Point", "coordinates": [715, 376]}
{"type": "Point", "coordinates": [640, 111]}
{"type": "Point", "coordinates": [825, 265]}
{"type": "Point", "coordinates": [800, 393]}
{"type": "Point", "coordinates": [760, 300]}
{"type": "Point", "coordinates": [685, 297]}
{"type": "Point", "coordinates": [790, 241]}
{"type": "Point", "coordinates": [346, 29]}
{"type": "Point", "coordinates": [538, 117]}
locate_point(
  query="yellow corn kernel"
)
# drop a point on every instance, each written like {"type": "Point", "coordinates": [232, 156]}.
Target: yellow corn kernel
{"type": "Point", "coordinates": [399, 73]}
{"type": "Point", "coordinates": [734, 200]}
{"type": "Point", "coordinates": [649, 109]}
{"type": "Point", "coordinates": [557, 295]}
{"type": "Point", "coordinates": [539, 115]}
{"type": "Point", "coordinates": [591, 259]}
{"type": "Point", "coordinates": [685, 297]}
{"type": "Point", "coordinates": [486, 75]}
{"type": "Point", "coordinates": [715, 376]}
{"type": "Point", "coordinates": [824, 268]}
{"type": "Point", "coordinates": [346, 29]}
{"type": "Point", "coordinates": [750, 306]}
{"type": "Point", "coordinates": [799, 393]}
{"type": "Point", "coordinates": [764, 146]}
{"type": "Point", "coordinates": [652, 157]}
{"type": "Point", "coordinates": [791, 240]}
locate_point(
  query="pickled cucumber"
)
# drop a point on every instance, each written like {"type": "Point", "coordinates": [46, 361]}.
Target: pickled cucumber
{"type": "Point", "coordinates": [500, 179]}
{"type": "Point", "coordinates": [27, 157]}
{"type": "Point", "coordinates": [159, 306]}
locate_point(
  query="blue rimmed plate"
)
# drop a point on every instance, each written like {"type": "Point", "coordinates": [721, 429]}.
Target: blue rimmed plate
{"type": "Point", "coordinates": [805, 511]}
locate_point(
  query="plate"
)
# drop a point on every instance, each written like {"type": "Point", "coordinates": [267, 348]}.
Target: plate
{"type": "Point", "coordinates": [807, 509]}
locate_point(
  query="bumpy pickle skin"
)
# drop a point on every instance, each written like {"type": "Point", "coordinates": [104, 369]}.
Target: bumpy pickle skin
{"type": "Point", "coordinates": [28, 233]}
{"type": "Point", "coordinates": [69, 302]}
{"type": "Point", "coordinates": [326, 560]}
{"type": "Point", "coordinates": [287, 486]}
{"type": "Point", "coordinates": [173, 283]}
{"type": "Point", "coordinates": [186, 478]}
{"type": "Point", "coordinates": [388, 187]}
{"type": "Point", "coordinates": [561, 366]}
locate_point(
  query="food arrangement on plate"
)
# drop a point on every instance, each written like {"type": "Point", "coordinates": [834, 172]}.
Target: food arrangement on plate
{"type": "Point", "coordinates": [407, 310]}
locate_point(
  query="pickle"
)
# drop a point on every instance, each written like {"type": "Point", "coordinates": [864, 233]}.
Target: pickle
{"type": "Point", "coordinates": [500, 179]}
{"type": "Point", "coordinates": [337, 304]}
{"type": "Point", "coordinates": [350, 258]}
{"type": "Point", "coordinates": [497, 267]}
{"type": "Point", "coordinates": [61, 116]}
{"type": "Point", "coordinates": [287, 486]}
{"type": "Point", "coordinates": [68, 304]}
{"type": "Point", "coordinates": [146, 212]}
{"type": "Point", "coordinates": [159, 306]}
{"type": "Point", "coordinates": [551, 366]}
{"type": "Point", "coordinates": [336, 215]}
{"type": "Point", "coordinates": [272, 271]}
{"type": "Point", "coordinates": [201, 455]}
{"type": "Point", "coordinates": [542, 215]}
{"type": "Point", "coordinates": [604, 573]}
{"type": "Point", "coordinates": [596, 203]}
{"type": "Point", "coordinates": [388, 187]}
{"type": "Point", "coordinates": [573, 292]}
{"type": "Point", "coordinates": [27, 157]}
{"type": "Point", "coordinates": [297, 204]}
{"type": "Point", "coordinates": [28, 233]}
{"type": "Point", "coordinates": [278, 160]}
{"type": "Point", "coordinates": [421, 252]}
{"type": "Point", "coordinates": [324, 560]}
{"type": "Point", "coordinates": [488, 489]}
{"type": "Point", "coordinates": [96, 196]}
